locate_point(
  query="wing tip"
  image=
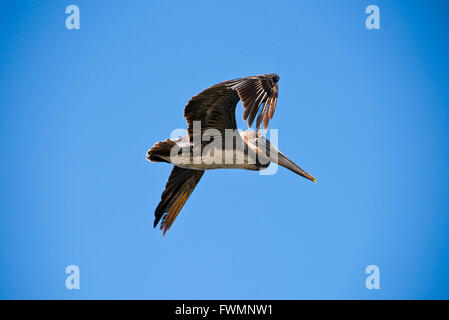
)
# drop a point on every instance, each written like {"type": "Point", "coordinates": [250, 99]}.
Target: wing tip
{"type": "Point", "coordinates": [255, 92]}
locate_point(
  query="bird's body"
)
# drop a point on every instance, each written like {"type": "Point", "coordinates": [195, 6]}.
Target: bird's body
{"type": "Point", "coordinates": [244, 154]}
{"type": "Point", "coordinates": [213, 141]}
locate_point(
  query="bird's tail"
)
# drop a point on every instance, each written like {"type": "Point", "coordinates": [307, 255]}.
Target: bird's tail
{"type": "Point", "coordinates": [160, 152]}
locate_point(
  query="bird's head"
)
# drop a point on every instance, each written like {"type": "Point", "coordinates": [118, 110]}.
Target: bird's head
{"type": "Point", "coordinates": [264, 148]}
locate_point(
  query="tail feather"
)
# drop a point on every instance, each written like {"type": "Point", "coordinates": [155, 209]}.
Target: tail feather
{"type": "Point", "coordinates": [160, 151]}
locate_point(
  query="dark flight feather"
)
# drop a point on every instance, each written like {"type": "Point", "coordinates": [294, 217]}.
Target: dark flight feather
{"type": "Point", "coordinates": [215, 106]}
{"type": "Point", "coordinates": [254, 92]}
{"type": "Point", "coordinates": [180, 185]}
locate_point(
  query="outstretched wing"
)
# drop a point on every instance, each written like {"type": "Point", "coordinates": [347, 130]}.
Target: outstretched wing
{"type": "Point", "coordinates": [215, 106]}
{"type": "Point", "coordinates": [255, 92]}
{"type": "Point", "coordinates": [179, 186]}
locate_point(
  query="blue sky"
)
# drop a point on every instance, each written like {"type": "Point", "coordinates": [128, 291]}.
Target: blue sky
{"type": "Point", "coordinates": [365, 111]}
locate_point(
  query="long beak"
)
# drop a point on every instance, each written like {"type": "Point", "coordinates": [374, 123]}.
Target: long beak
{"type": "Point", "coordinates": [290, 165]}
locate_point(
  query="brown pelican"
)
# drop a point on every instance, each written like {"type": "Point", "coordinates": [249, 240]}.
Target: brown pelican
{"type": "Point", "coordinates": [213, 110]}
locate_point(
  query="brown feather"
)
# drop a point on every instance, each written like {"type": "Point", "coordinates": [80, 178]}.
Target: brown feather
{"type": "Point", "coordinates": [249, 91]}
{"type": "Point", "coordinates": [180, 185]}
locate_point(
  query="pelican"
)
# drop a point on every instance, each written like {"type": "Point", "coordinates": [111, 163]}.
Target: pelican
{"type": "Point", "coordinates": [213, 110]}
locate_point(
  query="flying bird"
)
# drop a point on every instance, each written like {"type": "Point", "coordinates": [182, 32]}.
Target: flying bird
{"type": "Point", "coordinates": [213, 110]}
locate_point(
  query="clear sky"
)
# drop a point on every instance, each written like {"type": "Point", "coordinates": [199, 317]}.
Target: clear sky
{"type": "Point", "coordinates": [365, 111]}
